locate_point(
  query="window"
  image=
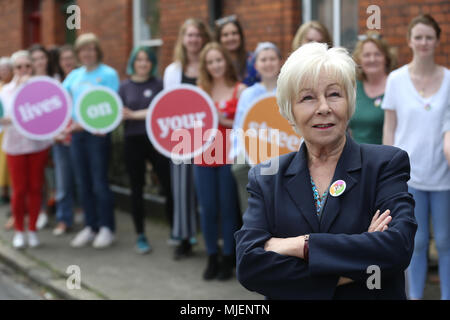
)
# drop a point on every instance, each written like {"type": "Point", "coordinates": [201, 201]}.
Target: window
{"type": "Point", "coordinates": [339, 16]}
{"type": "Point", "coordinates": [70, 34]}
{"type": "Point", "coordinates": [32, 22]}
{"type": "Point", "coordinates": [146, 23]}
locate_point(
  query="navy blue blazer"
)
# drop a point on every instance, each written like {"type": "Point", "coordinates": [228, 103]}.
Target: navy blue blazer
{"type": "Point", "coordinates": [282, 205]}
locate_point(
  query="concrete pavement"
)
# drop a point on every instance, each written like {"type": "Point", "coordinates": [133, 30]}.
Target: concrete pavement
{"type": "Point", "coordinates": [13, 287]}
{"type": "Point", "coordinates": [118, 272]}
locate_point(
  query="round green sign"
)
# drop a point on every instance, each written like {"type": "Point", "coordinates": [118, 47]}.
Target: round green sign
{"type": "Point", "coordinates": [99, 110]}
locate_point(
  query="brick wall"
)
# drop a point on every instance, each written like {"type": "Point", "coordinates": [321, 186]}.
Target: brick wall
{"type": "Point", "coordinates": [53, 23]}
{"type": "Point", "coordinates": [267, 20]}
{"type": "Point", "coordinates": [11, 24]}
{"type": "Point", "coordinates": [111, 21]}
{"type": "Point", "coordinates": [263, 20]}
{"type": "Point", "coordinates": [395, 17]}
{"type": "Point", "coordinates": [281, 19]}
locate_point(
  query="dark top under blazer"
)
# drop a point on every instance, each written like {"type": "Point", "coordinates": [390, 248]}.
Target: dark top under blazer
{"type": "Point", "coordinates": [281, 205]}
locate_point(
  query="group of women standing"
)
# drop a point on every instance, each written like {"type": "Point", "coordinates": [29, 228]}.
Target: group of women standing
{"type": "Point", "coordinates": [219, 68]}
{"type": "Point", "coordinates": [404, 108]}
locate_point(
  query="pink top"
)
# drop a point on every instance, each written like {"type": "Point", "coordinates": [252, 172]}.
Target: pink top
{"type": "Point", "coordinates": [15, 143]}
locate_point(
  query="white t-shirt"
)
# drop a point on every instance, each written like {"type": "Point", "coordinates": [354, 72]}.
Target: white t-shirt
{"type": "Point", "coordinates": [419, 128]}
{"type": "Point", "coordinates": [446, 119]}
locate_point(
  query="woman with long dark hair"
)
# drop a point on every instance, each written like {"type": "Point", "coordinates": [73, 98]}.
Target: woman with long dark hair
{"type": "Point", "coordinates": [230, 35]}
{"type": "Point", "coordinates": [64, 173]}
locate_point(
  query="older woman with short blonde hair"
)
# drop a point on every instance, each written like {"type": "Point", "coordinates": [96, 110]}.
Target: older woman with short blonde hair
{"type": "Point", "coordinates": [89, 152]}
{"type": "Point", "coordinates": [332, 210]}
{"type": "Point", "coordinates": [26, 160]}
{"type": "Point", "coordinates": [89, 39]}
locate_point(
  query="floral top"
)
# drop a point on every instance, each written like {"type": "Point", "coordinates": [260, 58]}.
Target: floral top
{"type": "Point", "coordinates": [319, 201]}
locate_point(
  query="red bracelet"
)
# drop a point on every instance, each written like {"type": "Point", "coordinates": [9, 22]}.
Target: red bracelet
{"type": "Point", "coordinates": [306, 248]}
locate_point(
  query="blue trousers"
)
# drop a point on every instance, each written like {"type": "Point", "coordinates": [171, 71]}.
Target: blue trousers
{"type": "Point", "coordinates": [216, 192]}
{"type": "Point", "coordinates": [436, 204]}
{"type": "Point", "coordinates": [64, 183]}
{"type": "Point", "coordinates": [90, 158]}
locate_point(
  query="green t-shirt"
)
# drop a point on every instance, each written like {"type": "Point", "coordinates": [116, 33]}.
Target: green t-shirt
{"type": "Point", "coordinates": [366, 125]}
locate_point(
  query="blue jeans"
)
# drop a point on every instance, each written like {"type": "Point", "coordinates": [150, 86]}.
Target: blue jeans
{"type": "Point", "coordinates": [216, 191]}
{"type": "Point", "coordinates": [90, 158]}
{"type": "Point", "coordinates": [436, 204]}
{"type": "Point", "coordinates": [64, 183]}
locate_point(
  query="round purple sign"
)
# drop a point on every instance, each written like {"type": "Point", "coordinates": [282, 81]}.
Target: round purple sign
{"type": "Point", "coordinates": [41, 108]}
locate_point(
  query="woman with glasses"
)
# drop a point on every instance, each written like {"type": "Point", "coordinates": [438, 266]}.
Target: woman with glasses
{"type": "Point", "coordinates": [375, 60]}
{"type": "Point", "coordinates": [230, 35]}
{"type": "Point", "coordinates": [415, 101]}
{"type": "Point", "coordinates": [26, 160]}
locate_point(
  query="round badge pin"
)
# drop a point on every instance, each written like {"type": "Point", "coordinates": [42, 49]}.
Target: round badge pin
{"type": "Point", "coordinates": [338, 188]}
{"type": "Point", "coordinates": [377, 102]}
{"type": "Point", "coordinates": [148, 93]}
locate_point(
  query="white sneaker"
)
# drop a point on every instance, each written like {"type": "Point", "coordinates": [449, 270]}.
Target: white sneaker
{"type": "Point", "coordinates": [33, 240]}
{"type": "Point", "coordinates": [61, 229]}
{"type": "Point", "coordinates": [19, 240]}
{"type": "Point", "coordinates": [83, 238]}
{"type": "Point", "coordinates": [173, 242]}
{"type": "Point", "coordinates": [104, 239]}
{"type": "Point", "coordinates": [42, 221]}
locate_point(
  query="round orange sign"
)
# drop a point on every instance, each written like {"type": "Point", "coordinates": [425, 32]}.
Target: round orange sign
{"type": "Point", "coordinates": [266, 133]}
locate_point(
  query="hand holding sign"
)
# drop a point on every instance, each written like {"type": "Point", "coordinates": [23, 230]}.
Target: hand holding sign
{"type": "Point", "coordinates": [183, 113]}
{"type": "Point", "coordinates": [99, 110]}
{"type": "Point", "coordinates": [266, 134]}
{"type": "Point", "coordinates": [41, 108]}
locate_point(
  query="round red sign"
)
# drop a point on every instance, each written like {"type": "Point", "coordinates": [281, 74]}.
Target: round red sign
{"type": "Point", "coordinates": [182, 122]}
